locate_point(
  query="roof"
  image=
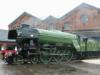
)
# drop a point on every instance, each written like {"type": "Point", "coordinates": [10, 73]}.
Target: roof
{"type": "Point", "coordinates": [50, 19]}
{"type": "Point", "coordinates": [22, 15]}
{"type": "Point", "coordinates": [4, 36]}
{"type": "Point", "coordinates": [81, 6]}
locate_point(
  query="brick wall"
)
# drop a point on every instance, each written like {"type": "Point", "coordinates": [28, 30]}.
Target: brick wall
{"type": "Point", "coordinates": [83, 19]}
{"type": "Point", "coordinates": [18, 22]}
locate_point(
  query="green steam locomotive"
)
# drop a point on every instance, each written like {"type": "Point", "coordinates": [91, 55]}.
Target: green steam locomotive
{"type": "Point", "coordinates": [48, 46]}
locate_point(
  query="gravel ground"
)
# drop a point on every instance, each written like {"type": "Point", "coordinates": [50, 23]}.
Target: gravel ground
{"type": "Point", "coordinates": [74, 68]}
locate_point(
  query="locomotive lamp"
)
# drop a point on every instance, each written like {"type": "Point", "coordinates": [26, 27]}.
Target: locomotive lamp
{"type": "Point", "coordinates": [31, 35]}
{"type": "Point", "coordinates": [19, 33]}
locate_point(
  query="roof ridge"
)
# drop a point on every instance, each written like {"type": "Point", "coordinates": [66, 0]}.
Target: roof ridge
{"type": "Point", "coordinates": [23, 14]}
{"type": "Point", "coordinates": [82, 5]}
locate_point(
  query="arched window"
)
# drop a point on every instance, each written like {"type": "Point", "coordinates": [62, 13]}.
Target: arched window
{"type": "Point", "coordinates": [67, 26]}
{"type": "Point", "coordinates": [84, 18]}
{"type": "Point", "coordinates": [51, 26]}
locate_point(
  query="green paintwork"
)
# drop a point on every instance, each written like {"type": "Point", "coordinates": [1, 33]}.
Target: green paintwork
{"type": "Point", "coordinates": [46, 36]}
{"type": "Point", "coordinates": [76, 45]}
{"type": "Point", "coordinates": [92, 45]}
{"type": "Point", "coordinates": [58, 37]}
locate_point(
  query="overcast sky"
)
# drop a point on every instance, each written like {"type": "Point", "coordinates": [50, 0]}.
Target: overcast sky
{"type": "Point", "coordinates": [11, 9]}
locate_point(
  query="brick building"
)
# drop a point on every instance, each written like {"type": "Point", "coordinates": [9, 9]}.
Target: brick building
{"type": "Point", "coordinates": [26, 18]}
{"type": "Point", "coordinates": [82, 20]}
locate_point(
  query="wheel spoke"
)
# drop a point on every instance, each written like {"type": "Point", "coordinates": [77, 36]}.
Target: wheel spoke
{"type": "Point", "coordinates": [68, 55]}
{"type": "Point", "coordinates": [34, 59]}
{"type": "Point", "coordinates": [45, 59]}
{"type": "Point", "coordinates": [58, 58]}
